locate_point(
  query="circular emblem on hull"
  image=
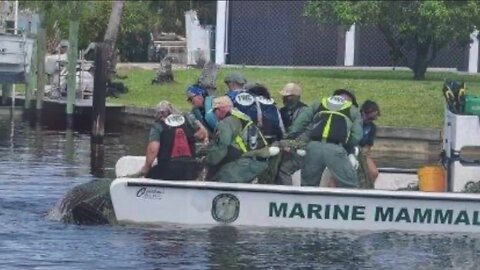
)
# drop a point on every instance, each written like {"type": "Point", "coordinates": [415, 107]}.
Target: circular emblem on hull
{"type": "Point", "coordinates": [225, 208]}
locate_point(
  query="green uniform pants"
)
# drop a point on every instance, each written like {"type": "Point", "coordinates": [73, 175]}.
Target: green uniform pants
{"type": "Point", "coordinates": [321, 155]}
{"type": "Point", "coordinates": [242, 170]}
{"type": "Point", "coordinates": [290, 163]}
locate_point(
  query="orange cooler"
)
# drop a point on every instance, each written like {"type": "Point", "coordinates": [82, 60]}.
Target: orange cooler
{"type": "Point", "coordinates": [432, 178]}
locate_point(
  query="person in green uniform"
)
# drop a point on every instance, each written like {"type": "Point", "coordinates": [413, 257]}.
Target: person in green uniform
{"type": "Point", "coordinates": [290, 161]}
{"type": "Point", "coordinates": [298, 136]}
{"type": "Point", "coordinates": [336, 126]}
{"type": "Point", "coordinates": [235, 136]}
{"type": "Point", "coordinates": [292, 104]}
{"type": "Point", "coordinates": [172, 142]}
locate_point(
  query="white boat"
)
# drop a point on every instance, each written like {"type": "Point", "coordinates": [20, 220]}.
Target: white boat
{"type": "Point", "coordinates": [147, 201]}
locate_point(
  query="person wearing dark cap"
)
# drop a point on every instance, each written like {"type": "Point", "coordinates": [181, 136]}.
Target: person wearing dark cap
{"type": "Point", "coordinates": [202, 106]}
{"type": "Point", "coordinates": [370, 112]}
{"type": "Point", "coordinates": [235, 82]}
{"type": "Point", "coordinates": [242, 100]}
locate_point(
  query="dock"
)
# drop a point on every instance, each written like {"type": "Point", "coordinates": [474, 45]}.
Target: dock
{"type": "Point", "coordinates": [54, 116]}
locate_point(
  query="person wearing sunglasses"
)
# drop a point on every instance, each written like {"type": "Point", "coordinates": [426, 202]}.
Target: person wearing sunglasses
{"type": "Point", "coordinates": [202, 106]}
{"type": "Point", "coordinates": [172, 142]}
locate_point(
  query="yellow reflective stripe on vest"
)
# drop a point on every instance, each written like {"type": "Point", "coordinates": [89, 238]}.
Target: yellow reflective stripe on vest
{"type": "Point", "coordinates": [346, 105]}
{"type": "Point", "coordinates": [327, 127]}
{"type": "Point", "coordinates": [240, 143]}
{"type": "Point", "coordinates": [326, 131]}
{"type": "Point", "coordinates": [238, 139]}
{"type": "Point", "coordinates": [240, 115]}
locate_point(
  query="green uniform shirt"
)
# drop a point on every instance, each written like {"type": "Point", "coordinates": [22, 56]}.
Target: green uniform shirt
{"type": "Point", "coordinates": [226, 131]}
{"type": "Point", "coordinates": [301, 126]}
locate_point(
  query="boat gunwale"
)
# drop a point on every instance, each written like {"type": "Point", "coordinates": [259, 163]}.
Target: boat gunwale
{"type": "Point", "coordinates": [294, 190]}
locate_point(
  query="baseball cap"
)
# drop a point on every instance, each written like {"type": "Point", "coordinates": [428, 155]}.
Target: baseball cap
{"type": "Point", "coordinates": [235, 77]}
{"type": "Point", "coordinates": [195, 90]}
{"type": "Point", "coordinates": [291, 89]}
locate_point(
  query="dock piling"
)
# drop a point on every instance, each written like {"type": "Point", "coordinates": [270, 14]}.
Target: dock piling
{"type": "Point", "coordinates": [99, 93]}
{"type": "Point", "coordinates": [41, 48]}
{"type": "Point", "coordinates": [72, 70]}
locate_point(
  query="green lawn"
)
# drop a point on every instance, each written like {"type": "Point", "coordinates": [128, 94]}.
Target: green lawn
{"type": "Point", "coordinates": [403, 102]}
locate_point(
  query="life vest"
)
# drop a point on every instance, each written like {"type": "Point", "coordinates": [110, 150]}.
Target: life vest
{"type": "Point", "coordinates": [332, 121]}
{"type": "Point", "coordinates": [271, 120]}
{"type": "Point", "coordinates": [206, 115]}
{"type": "Point", "coordinates": [246, 103]}
{"type": "Point", "coordinates": [176, 139]}
{"type": "Point", "coordinates": [249, 138]}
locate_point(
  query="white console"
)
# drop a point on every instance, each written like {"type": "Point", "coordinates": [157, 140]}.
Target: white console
{"type": "Point", "coordinates": [461, 174]}
{"type": "Point", "coordinates": [460, 131]}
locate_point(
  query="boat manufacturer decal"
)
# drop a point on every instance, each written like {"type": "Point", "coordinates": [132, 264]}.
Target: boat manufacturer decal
{"type": "Point", "coordinates": [150, 193]}
{"type": "Point", "coordinates": [225, 208]}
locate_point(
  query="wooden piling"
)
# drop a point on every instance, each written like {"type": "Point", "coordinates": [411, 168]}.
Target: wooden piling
{"type": "Point", "coordinates": [6, 92]}
{"type": "Point", "coordinates": [41, 48]}
{"type": "Point", "coordinates": [99, 93]}
{"type": "Point", "coordinates": [32, 79]}
{"type": "Point", "coordinates": [97, 159]}
{"type": "Point", "coordinates": [72, 70]}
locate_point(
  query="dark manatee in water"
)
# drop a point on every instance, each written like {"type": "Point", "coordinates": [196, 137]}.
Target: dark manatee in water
{"type": "Point", "coordinates": [88, 203]}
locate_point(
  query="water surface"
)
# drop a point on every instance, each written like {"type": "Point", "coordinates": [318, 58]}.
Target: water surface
{"type": "Point", "coordinates": [38, 166]}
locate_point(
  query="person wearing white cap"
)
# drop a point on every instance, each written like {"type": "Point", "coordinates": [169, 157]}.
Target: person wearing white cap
{"type": "Point", "coordinates": [234, 136]}
{"type": "Point", "coordinates": [292, 106]}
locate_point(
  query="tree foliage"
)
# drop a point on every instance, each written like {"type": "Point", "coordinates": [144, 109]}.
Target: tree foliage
{"type": "Point", "coordinates": [139, 19]}
{"type": "Point", "coordinates": [422, 26]}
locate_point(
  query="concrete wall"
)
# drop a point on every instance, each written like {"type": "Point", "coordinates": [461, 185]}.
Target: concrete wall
{"type": "Point", "coordinates": [419, 142]}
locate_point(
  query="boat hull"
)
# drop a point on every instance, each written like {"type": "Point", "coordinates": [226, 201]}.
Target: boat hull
{"type": "Point", "coordinates": [146, 201]}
